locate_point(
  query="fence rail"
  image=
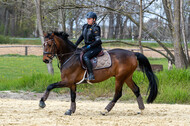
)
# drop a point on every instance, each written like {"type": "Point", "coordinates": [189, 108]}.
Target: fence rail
{"type": "Point", "coordinates": [18, 49]}
{"type": "Point", "coordinates": [37, 50]}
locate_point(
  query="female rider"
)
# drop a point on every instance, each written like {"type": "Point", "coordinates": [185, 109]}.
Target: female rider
{"type": "Point", "coordinates": [91, 33]}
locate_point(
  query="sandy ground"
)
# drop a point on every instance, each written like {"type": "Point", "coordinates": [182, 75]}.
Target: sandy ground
{"type": "Point", "coordinates": [18, 109]}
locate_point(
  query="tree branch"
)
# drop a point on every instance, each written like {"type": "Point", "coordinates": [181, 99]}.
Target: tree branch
{"type": "Point", "coordinates": [149, 5]}
{"type": "Point", "coordinates": [131, 44]}
{"type": "Point", "coordinates": [132, 19]}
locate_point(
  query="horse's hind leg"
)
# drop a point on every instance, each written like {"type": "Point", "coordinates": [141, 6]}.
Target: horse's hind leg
{"type": "Point", "coordinates": [49, 88]}
{"type": "Point", "coordinates": [118, 94]}
{"type": "Point", "coordinates": [131, 84]}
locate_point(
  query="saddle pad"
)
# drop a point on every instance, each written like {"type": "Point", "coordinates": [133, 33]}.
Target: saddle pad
{"type": "Point", "coordinates": [103, 61]}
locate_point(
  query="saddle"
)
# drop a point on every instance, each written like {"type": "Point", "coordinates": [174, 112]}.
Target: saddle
{"type": "Point", "coordinates": [102, 60]}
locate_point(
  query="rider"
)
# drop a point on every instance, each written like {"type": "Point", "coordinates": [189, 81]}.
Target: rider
{"type": "Point", "coordinates": [91, 33]}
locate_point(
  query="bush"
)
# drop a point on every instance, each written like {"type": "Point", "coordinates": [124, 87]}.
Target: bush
{"type": "Point", "coordinates": [7, 40]}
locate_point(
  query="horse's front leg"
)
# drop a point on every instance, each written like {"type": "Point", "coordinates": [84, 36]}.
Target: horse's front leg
{"type": "Point", "coordinates": [73, 103]}
{"type": "Point", "coordinates": [49, 88]}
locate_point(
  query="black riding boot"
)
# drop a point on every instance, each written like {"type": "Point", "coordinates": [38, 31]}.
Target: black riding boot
{"type": "Point", "coordinates": [89, 69]}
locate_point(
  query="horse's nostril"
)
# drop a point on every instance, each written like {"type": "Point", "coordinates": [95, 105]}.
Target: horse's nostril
{"type": "Point", "coordinates": [46, 61]}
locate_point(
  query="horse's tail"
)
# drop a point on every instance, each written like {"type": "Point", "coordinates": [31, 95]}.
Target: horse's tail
{"type": "Point", "coordinates": [145, 66]}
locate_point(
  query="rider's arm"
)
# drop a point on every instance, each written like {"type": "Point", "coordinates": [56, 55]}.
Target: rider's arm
{"type": "Point", "coordinates": [79, 40]}
{"type": "Point", "coordinates": [97, 34]}
{"type": "Point", "coordinates": [81, 37]}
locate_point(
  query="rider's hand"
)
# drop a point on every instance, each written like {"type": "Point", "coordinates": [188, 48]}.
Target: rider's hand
{"type": "Point", "coordinates": [85, 49]}
{"type": "Point", "coordinates": [76, 45]}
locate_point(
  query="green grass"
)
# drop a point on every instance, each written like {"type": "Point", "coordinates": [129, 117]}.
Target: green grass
{"type": "Point", "coordinates": [29, 42]}
{"type": "Point", "coordinates": [7, 40]}
{"type": "Point", "coordinates": [29, 73]}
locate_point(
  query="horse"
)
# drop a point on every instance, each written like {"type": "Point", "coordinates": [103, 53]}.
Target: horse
{"type": "Point", "coordinates": [124, 63]}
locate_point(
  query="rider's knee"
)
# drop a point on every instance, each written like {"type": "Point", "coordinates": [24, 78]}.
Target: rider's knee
{"type": "Point", "coordinates": [85, 58]}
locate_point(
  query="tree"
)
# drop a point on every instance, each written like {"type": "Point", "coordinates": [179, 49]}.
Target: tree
{"type": "Point", "coordinates": [183, 31]}
{"type": "Point", "coordinates": [140, 26]}
{"type": "Point", "coordinates": [39, 22]}
{"type": "Point", "coordinates": [180, 60]}
{"type": "Point", "coordinates": [111, 21]}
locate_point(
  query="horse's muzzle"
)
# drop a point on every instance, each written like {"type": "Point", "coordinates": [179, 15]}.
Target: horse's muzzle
{"type": "Point", "coordinates": [46, 61]}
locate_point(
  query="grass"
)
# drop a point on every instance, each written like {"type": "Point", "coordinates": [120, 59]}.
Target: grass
{"type": "Point", "coordinates": [29, 42]}
{"type": "Point", "coordinates": [29, 73]}
{"type": "Point", "coordinates": [7, 40]}
{"type": "Point", "coordinates": [36, 41]}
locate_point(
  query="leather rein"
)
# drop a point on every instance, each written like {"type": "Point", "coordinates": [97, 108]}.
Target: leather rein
{"type": "Point", "coordinates": [53, 54]}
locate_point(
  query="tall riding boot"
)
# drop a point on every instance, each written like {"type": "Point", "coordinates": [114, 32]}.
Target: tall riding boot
{"type": "Point", "coordinates": [89, 69]}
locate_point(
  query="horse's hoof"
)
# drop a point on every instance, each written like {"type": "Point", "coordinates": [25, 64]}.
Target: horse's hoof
{"type": "Point", "coordinates": [42, 104]}
{"type": "Point", "coordinates": [105, 112]}
{"type": "Point", "coordinates": [140, 113]}
{"type": "Point", "coordinates": [68, 112]}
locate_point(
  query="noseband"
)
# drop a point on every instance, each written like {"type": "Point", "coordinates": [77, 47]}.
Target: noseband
{"type": "Point", "coordinates": [53, 48]}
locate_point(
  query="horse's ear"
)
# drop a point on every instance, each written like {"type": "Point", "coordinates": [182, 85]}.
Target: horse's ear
{"type": "Point", "coordinates": [45, 34]}
{"type": "Point", "coordinates": [65, 34]}
{"type": "Point", "coordinates": [52, 34]}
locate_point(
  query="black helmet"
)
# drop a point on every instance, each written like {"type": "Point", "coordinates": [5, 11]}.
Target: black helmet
{"type": "Point", "coordinates": [91, 15]}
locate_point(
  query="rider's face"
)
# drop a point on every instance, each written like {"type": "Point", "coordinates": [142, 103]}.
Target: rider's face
{"type": "Point", "coordinates": [90, 21]}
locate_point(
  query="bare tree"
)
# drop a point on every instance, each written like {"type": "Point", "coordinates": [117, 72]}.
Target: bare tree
{"type": "Point", "coordinates": [7, 15]}
{"type": "Point", "coordinates": [39, 21]}
{"type": "Point", "coordinates": [140, 26]}
{"type": "Point", "coordinates": [183, 31]}
{"type": "Point", "coordinates": [111, 21]}
{"type": "Point", "coordinates": [180, 60]}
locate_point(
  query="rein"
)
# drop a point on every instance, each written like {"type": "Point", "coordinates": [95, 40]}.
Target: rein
{"type": "Point", "coordinates": [58, 62]}
{"type": "Point", "coordinates": [56, 55]}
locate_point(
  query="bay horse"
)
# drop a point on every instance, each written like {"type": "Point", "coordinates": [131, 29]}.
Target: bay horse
{"type": "Point", "coordinates": [124, 63]}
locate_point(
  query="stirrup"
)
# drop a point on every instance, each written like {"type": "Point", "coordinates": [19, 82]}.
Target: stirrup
{"type": "Point", "coordinates": [92, 77]}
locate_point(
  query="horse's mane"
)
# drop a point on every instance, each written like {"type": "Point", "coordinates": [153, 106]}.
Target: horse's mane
{"type": "Point", "coordinates": [62, 35]}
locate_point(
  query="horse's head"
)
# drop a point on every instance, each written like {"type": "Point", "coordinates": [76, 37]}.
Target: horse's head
{"type": "Point", "coordinates": [56, 43]}
{"type": "Point", "coordinates": [50, 48]}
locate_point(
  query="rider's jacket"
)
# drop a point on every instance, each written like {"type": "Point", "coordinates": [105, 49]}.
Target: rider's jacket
{"type": "Point", "coordinates": [91, 35]}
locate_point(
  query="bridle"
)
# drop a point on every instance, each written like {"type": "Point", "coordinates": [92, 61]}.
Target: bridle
{"type": "Point", "coordinates": [54, 47]}
{"type": "Point", "coordinates": [53, 54]}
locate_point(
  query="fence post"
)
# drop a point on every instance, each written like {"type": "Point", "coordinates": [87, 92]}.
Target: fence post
{"type": "Point", "coordinates": [26, 50]}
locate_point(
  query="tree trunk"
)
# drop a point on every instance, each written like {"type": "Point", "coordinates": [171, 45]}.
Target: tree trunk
{"type": "Point", "coordinates": [183, 31]}
{"type": "Point", "coordinates": [12, 24]}
{"type": "Point", "coordinates": [140, 27]}
{"type": "Point", "coordinates": [117, 28]}
{"type": "Point", "coordinates": [189, 28]}
{"type": "Point", "coordinates": [71, 27]}
{"type": "Point", "coordinates": [121, 29]}
{"type": "Point", "coordinates": [6, 23]}
{"type": "Point", "coordinates": [76, 27]}
{"type": "Point", "coordinates": [103, 29]}
{"type": "Point", "coordinates": [124, 29]}
{"type": "Point", "coordinates": [180, 61]}
{"type": "Point", "coordinates": [111, 21]}
{"type": "Point", "coordinates": [39, 21]}
{"type": "Point", "coordinates": [61, 17]}
{"type": "Point", "coordinates": [167, 9]}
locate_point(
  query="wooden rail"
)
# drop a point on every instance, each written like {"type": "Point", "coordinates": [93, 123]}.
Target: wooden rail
{"type": "Point", "coordinates": [24, 46]}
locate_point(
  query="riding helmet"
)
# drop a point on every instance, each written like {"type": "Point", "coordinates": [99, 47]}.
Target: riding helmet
{"type": "Point", "coordinates": [91, 15]}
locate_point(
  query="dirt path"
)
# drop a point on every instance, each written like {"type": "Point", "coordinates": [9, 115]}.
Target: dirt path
{"type": "Point", "coordinates": [26, 112]}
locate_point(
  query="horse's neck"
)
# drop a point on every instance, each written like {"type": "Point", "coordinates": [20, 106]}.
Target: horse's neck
{"type": "Point", "coordinates": [65, 52]}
